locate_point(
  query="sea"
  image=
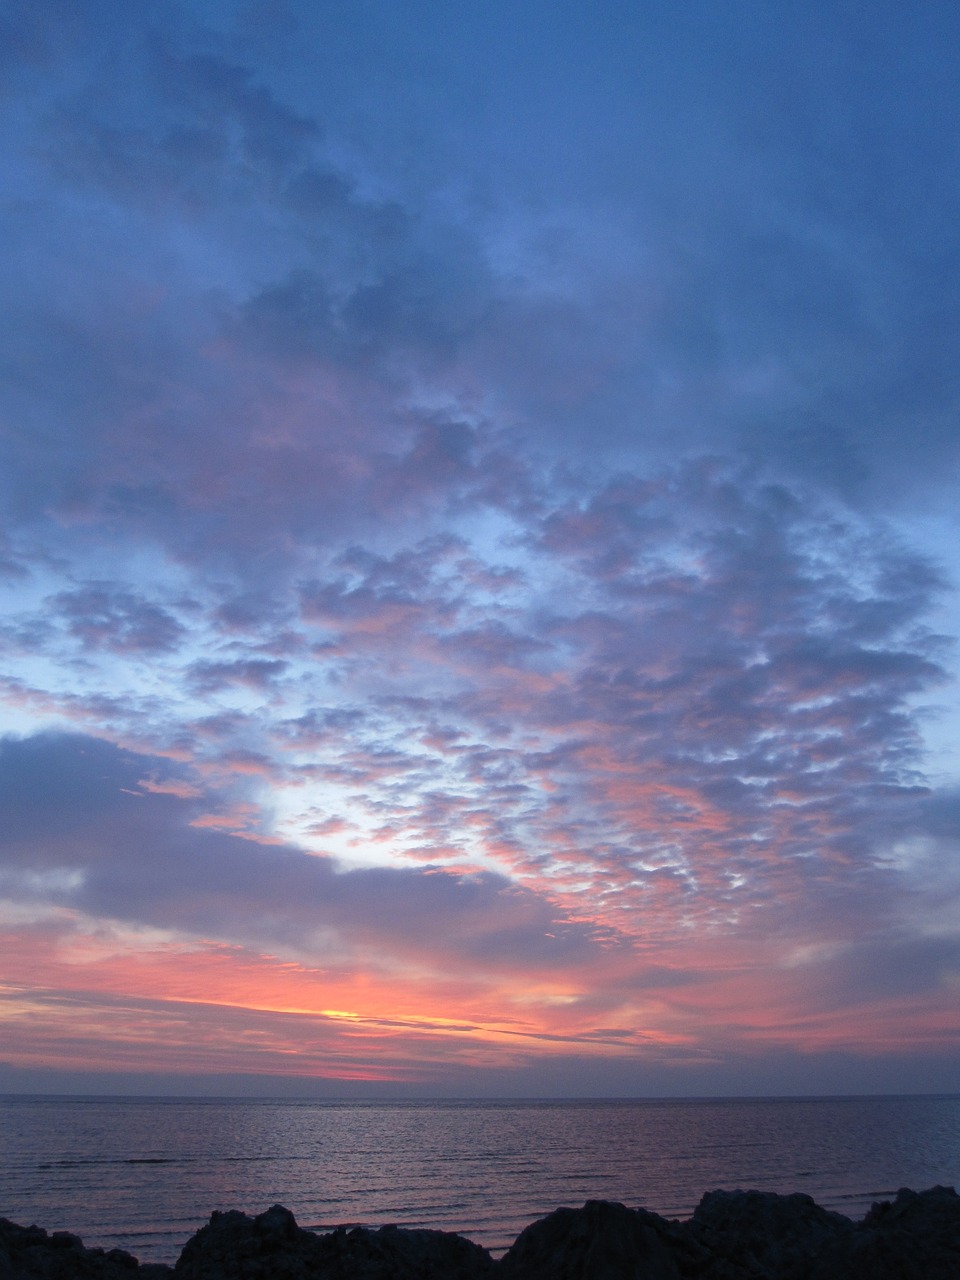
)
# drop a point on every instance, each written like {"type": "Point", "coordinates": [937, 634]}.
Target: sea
{"type": "Point", "coordinates": [144, 1174]}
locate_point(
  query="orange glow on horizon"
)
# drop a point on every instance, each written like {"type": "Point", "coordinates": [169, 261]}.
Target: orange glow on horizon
{"type": "Point", "coordinates": [160, 1004]}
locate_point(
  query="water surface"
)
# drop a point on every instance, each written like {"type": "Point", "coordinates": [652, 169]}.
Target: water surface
{"type": "Point", "coordinates": [145, 1173]}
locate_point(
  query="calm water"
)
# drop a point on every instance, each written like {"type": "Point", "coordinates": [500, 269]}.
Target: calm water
{"type": "Point", "coordinates": [144, 1174]}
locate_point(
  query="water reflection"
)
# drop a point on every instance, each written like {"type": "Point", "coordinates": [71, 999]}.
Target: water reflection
{"type": "Point", "coordinates": [145, 1173]}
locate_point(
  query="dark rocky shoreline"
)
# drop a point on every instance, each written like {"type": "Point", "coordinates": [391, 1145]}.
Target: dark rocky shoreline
{"type": "Point", "coordinates": [732, 1235]}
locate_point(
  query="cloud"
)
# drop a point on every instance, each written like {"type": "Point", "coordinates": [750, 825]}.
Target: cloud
{"type": "Point", "coordinates": [479, 526]}
{"type": "Point", "coordinates": [102, 616]}
{"type": "Point", "coordinates": [833, 958]}
{"type": "Point", "coordinates": [254, 673]}
{"type": "Point", "coordinates": [103, 844]}
{"type": "Point", "coordinates": [750, 305]}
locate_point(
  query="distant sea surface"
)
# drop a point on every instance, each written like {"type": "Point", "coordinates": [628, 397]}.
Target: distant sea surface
{"type": "Point", "coordinates": [145, 1173]}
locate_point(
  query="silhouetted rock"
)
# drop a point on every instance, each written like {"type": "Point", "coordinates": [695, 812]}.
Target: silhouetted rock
{"type": "Point", "coordinates": [402, 1253]}
{"type": "Point", "coordinates": [29, 1253]}
{"type": "Point", "coordinates": [733, 1235]}
{"type": "Point", "coordinates": [914, 1237]}
{"type": "Point", "coordinates": [602, 1241]}
{"type": "Point", "coordinates": [272, 1247]}
{"type": "Point", "coordinates": [236, 1245]}
{"type": "Point", "coordinates": [744, 1235]}
{"type": "Point", "coordinates": [759, 1234]}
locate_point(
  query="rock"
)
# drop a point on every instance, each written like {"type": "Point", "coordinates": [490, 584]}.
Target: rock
{"type": "Point", "coordinates": [733, 1235]}
{"type": "Point", "coordinates": [28, 1253]}
{"type": "Point", "coordinates": [272, 1247]}
{"type": "Point", "coordinates": [602, 1241]}
{"type": "Point", "coordinates": [765, 1236]}
{"type": "Point", "coordinates": [914, 1237]}
{"type": "Point", "coordinates": [401, 1253]}
{"type": "Point", "coordinates": [768, 1237]}
{"type": "Point", "coordinates": [235, 1245]}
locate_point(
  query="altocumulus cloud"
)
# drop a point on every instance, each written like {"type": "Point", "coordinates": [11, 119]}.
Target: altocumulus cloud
{"type": "Point", "coordinates": [469, 533]}
{"type": "Point", "coordinates": [105, 843]}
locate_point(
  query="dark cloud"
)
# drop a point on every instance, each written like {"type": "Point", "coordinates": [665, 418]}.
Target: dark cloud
{"type": "Point", "coordinates": [102, 615]}
{"type": "Point", "coordinates": [195, 128]}
{"type": "Point", "coordinates": [760, 301]}
{"type": "Point", "coordinates": [82, 830]}
{"type": "Point", "coordinates": [254, 673]}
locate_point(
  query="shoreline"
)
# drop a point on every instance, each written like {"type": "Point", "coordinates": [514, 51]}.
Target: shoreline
{"type": "Point", "coordinates": [732, 1235]}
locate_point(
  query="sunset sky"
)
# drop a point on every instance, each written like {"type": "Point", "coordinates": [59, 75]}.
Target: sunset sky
{"type": "Point", "coordinates": [481, 511]}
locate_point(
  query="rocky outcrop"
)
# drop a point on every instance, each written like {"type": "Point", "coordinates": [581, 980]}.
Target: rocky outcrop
{"type": "Point", "coordinates": [29, 1253]}
{"type": "Point", "coordinates": [762, 1235]}
{"type": "Point", "coordinates": [272, 1247]}
{"type": "Point", "coordinates": [233, 1244]}
{"type": "Point", "coordinates": [914, 1237]}
{"type": "Point", "coordinates": [603, 1241]}
{"type": "Point", "coordinates": [733, 1235]}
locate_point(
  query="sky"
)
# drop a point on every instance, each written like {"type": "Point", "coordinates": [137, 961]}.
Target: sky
{"type": "Point", "coordinates": [479, 547]}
